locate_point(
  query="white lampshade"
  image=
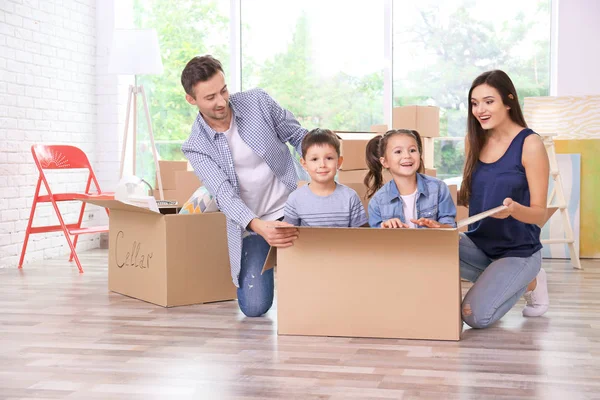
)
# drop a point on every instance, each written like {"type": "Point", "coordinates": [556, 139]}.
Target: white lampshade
{"type": "Point", "coordinates": [135, 52]}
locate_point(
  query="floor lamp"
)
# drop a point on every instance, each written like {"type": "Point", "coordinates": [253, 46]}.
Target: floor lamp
{"type": "Point", "coordinates": [136, 52]}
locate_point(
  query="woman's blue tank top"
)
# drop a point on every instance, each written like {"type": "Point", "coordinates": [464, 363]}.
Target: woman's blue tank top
{"type": "Point", "coordinates": [491, 184]}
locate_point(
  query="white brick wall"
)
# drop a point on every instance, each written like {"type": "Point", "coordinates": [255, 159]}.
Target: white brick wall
{"type": "Point", "coordinates": [48, 94]}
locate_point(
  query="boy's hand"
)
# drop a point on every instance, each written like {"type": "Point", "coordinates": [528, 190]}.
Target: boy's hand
{"type": "Point", "coordinates": [428, 223]}
{"type": "Point", "coordinates": [393, 223]}
{"type": "Point", "coordinates": [275, 237]}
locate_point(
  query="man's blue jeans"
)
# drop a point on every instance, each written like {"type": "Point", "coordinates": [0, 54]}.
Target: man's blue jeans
{"type": "Point", "coordinates": [255, 294]}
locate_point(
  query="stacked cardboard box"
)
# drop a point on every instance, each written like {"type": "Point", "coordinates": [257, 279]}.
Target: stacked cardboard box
{"type": "Point", "coordinates": [423, 119]}
{"type": "Point", "coordinates": [354, 169]}
{"type": "Point", "coordinates": [179, 181]}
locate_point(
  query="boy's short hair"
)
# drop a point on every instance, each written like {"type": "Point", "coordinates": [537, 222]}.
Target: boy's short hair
{"type": "Point", "coordinates": [318, 137]}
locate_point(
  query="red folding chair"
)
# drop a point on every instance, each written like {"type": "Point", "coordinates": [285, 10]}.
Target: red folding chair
{"type": "Point", "coordinates": [63, 157]}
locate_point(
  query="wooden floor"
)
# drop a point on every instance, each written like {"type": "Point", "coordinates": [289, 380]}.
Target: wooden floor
{"type": "Point", "coordinates": [64, 336]}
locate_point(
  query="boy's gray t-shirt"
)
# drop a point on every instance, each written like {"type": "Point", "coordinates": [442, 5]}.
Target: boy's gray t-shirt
{"type": "Point", "coordinates": [342, 208]}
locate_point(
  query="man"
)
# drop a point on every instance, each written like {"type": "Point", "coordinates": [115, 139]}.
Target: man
{"type": "Point", "coordinates": [238, 149]}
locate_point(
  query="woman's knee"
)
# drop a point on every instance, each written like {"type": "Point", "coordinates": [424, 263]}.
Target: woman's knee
{"type": "Point", "coordinates": [473, 318]}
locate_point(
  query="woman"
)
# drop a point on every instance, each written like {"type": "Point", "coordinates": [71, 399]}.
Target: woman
{"type": "Point", "coordinates": [506, 164]}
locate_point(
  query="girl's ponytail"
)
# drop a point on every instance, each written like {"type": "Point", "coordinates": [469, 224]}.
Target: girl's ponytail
{"type": "Point", "coordinates": [374, 179]}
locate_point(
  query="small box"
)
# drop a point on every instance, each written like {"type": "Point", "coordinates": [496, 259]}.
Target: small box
{"type": "Point", "coordinates": [168, 260]}
{"type": "Point", "coordinates": [167, 172]}
{"type": "Point", "coordinates": [381, 128]}
{"type": "Point", "coordinates": [353, 149]}
{"type": "Point", "coordinates": [423, 119]}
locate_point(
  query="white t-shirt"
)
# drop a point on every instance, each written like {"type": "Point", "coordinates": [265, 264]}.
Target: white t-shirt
{"type": "Point", "coordinates": [260, 189]}
{"type": "Point", "coordinates": [410, 207]}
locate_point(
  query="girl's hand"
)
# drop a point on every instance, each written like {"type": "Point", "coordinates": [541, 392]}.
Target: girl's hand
{"type": "Point", "coordinates": [393, 223]}
{"type": "Point", "coordinates": [428, 223]}
{"type": "Point", "coordinates": [510, 208]}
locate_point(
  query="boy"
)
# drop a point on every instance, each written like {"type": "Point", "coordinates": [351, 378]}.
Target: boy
{"type": "Point", "coordinates": [323, 202]}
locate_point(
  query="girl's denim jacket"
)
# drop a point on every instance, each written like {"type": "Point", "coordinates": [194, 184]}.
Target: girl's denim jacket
{"type": "Point", "coordinates": [433, 202]}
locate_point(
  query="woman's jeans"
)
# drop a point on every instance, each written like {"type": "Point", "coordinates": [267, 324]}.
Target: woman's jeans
{"type": "Point", "coordinates": [255, 294]}
{"type": "Point", "coordinates": [498, 284]}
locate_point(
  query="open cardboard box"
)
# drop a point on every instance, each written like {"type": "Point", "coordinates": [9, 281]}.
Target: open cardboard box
{"type": "Point", "coordinates": [370, 282]}
{"type": "Point", "coordinates": [169, 260]}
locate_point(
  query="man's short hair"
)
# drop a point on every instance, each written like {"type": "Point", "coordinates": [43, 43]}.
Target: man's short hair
{"type": "Point", "coordinates": [199, 69]}
{"type": "Point", "coordinates": [318, 137]}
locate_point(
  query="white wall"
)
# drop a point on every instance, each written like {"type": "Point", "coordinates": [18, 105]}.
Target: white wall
{"type": "Point", "coordinates": [577, 58]}
{"type": "Point", "coordinates": [47, 95]}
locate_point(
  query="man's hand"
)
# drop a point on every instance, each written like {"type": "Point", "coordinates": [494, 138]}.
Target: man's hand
{"type": "Point", "coordinates": [393, 223]}
{"type": "Point", "coordinates": [510, 208]}
{"type": "Point", "coordinates": [275, 237]}
{"type": "Point", "coordinates": [428, 223]}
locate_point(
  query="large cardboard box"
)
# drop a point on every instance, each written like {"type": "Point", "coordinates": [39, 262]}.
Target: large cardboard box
{"type": "Point", "coordinates": [169, 260]}
{"type": "Point", "coordinates": [423, 119]}
{"type": "Point", "coordinates": [167, 173]}
{"type": "Point", "coordinates": [369, 282]}
{"type": "Point", "coordinates": [353, 148]}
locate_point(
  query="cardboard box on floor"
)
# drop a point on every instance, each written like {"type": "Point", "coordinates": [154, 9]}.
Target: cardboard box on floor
{"type": "Point", "coordinates": [423, 119]}
{"type": "Point", "coordinates": [369, 282]}
{"type": "Point", "coordinates": [169, 260]}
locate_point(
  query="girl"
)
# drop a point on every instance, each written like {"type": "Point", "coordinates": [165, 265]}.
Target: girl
{"type": "Point", "coordinates": [506, 164]}
{"type": "Point", "coordinates": [411, 199]}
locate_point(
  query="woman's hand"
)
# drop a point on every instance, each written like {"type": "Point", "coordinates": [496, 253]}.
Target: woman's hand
{"type": "Point", "coordinates": [393, 223]}
{"type": "Point", "coordinates": [511, 205]}
{"type": "Point", "coordinates": [428, 223]}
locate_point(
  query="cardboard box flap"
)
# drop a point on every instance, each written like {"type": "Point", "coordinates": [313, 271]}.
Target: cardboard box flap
{"type": "Point", "coordinates": [271, 260]}
{"type": "Point", "coordinates": [119, 205]}
{"type": "Point", "coordinates": [549, 213]}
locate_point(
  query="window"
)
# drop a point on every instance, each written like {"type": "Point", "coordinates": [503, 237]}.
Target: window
{"type": "Point", "coordinates": [441, 47]}
{"type": "Point", "coordinates": [185, 29]}
{"type": "Point", "coordinates": [322, 60]}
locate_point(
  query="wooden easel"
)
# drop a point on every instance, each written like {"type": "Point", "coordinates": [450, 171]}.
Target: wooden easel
{"type": "Point", "coordinates": [558, 193]}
